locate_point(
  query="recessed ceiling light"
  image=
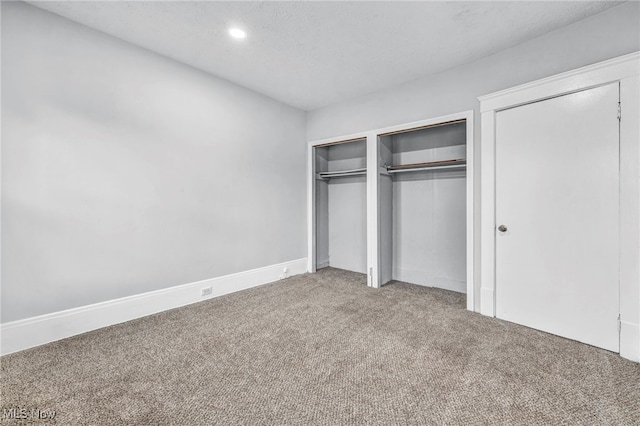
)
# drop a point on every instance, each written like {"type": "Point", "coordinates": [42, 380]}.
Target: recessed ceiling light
{"type": "Point", "coordinates": [237, 33]}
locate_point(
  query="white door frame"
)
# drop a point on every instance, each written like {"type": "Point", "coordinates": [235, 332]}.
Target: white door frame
{"type": "Point", "coordinates": [373, 191]}
{"type": "Point", "coordinates": [626, 70]}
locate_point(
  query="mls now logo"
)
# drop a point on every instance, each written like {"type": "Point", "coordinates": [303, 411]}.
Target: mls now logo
{"type": "Point", "coordinates": [15, 413]}
{"type": "Point", "coordinates": [19, 413]}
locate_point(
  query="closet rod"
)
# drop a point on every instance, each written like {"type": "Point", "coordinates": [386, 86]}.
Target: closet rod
{"type": "Point", "coordinates": [444, 123]}
{"type": "Point", "coordinates": [427, 164]}
{"type": "Point", "coordinates": [418, 169]}
{"type": "Point", "coordinates": [342, 173]}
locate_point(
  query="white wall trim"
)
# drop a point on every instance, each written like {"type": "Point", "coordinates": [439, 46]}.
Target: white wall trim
{"type": "Point", "coordinates": [373, 212]}
{"type": "Point", "coordinates": [630, 340]}
{"type": "Point", "coordinates": [471, 214]}
{"type": "Point", "coordinates": [464, 115]}
{"type": "Point", "coordinates": [338, 139]}
{"type": "Point", "coordinates": [578, 79]}
{"type": "Point", "coordinates": [27, 333]}
{"type": "Point", "coordinates": [626, 70]}
{"type": "Point", "coordinates": [418, 277]}
{"type": "Point", "coordinates": [630, 217]}
{"type": "Point", "coordinates": [311, 210]}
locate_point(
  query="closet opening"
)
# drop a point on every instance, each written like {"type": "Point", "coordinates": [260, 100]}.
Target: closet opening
{"type": "Point", "coordinates": [423, 205]}
{"type": "Point", "coordinates": [340, 181]}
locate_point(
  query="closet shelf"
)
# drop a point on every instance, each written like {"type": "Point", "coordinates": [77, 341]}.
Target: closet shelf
{"type": "Point", "coordinates": [430, 165]}
{"type": "Point", "coordinates": [342, 173]}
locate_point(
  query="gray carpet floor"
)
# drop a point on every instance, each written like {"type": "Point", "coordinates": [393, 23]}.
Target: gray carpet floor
{"type": "Point", "coordinates": [323, 349]}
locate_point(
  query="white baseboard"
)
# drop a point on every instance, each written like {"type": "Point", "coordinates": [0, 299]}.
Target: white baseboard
{"type": "Point", "coordinates": [486, 302]}
{"type": "Point", "coordinates": [27, 333]}
{"type": "Point", "coordinates": [630, 341]}
{"type": "Point", "coordinates": [421, 278]}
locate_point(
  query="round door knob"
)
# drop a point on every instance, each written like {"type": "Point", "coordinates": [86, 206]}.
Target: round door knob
{"type": "Point", "coordinates": [502, 228]}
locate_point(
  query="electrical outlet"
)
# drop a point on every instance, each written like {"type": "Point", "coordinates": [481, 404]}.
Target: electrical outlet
{"type": "Point", "coordinates": [206, 291]}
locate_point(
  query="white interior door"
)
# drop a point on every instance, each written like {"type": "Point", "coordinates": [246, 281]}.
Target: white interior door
{"type": "Point", "coordinates": [557, 172]}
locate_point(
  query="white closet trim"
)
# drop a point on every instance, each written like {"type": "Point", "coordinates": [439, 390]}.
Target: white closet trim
{"type": "Point", "coordinates": [373, 192]}
{"type": "Point", "coordinates": [311, 191]}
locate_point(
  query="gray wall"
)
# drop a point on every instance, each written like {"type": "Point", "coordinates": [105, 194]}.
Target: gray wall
{"type": "Point", "coordinates": [125, 172]}
{"type": "Point", "coordinates": [614, 32]}
{"type": "Point", "coordinates": [611, 33]}
{"type": "Point", "coordinates": [348, 223]}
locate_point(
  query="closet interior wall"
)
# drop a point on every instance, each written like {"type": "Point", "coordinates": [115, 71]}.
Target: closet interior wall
{"type": "Point", "coordinates": [341, 205]}
{"type": "Point", "coordinates": [423, 212]}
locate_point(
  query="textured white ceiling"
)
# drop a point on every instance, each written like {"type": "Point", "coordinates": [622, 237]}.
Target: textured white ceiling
{"type": "Point", "coordinates": [312, 54]}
